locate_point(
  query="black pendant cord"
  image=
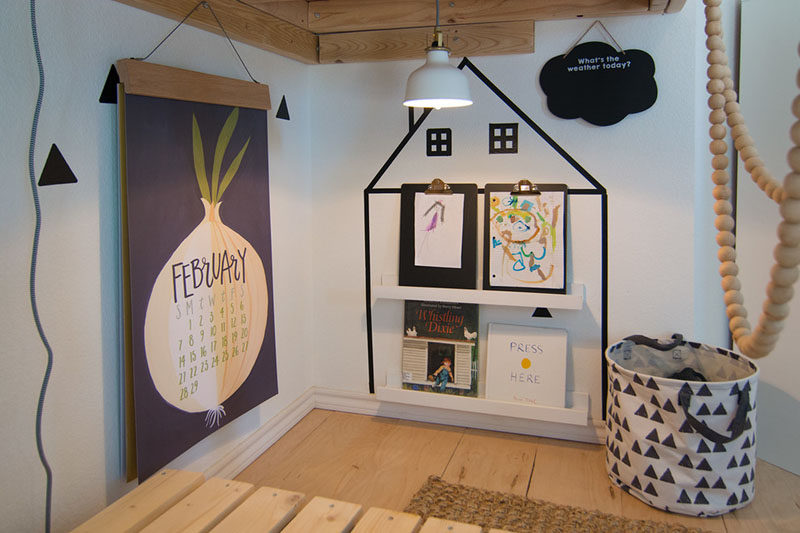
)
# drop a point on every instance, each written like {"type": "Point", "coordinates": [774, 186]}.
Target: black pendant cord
{"type": "Point", "coordinates": [205, 4]}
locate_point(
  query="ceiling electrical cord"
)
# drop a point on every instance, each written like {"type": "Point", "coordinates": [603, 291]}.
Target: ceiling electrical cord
{"type": "Point", "coordinates": [34, 253]}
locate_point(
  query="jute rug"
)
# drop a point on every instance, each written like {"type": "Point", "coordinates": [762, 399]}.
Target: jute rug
{"type": "Point", "coordinates": [491, 509]}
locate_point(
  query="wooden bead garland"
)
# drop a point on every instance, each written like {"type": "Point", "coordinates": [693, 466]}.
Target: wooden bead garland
{"type": "Point", "coordinates": [725, 109]}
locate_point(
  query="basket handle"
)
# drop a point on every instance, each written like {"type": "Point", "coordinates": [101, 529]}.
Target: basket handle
{"type": "Point", "coordinates": [737, 424]}
{"type": "Point", "coordinates": [654, 343]}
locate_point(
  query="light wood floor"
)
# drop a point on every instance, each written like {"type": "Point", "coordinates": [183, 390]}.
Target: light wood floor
{"type": "Point", "coordinates": [382, 462]}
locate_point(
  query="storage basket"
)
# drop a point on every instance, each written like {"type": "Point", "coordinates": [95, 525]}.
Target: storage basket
{"type": "Point", "coordinates": [679, 444]}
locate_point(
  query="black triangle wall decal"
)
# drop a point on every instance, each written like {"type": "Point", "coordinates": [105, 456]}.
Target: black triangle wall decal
{"type": "Point", "coordinates": [541, 312]}
{"type": "Point", "coordinates": [56, 170]}
{"type": "Point", "coordinates": [283, 110]}
{"type": "Point", "coordinates": [109, 93]}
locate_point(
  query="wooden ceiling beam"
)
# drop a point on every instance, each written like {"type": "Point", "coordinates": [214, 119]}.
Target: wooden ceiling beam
{"type": "Point", "coordinates": [292, 11]}
{"type": "Point", "coordinates": [243, 23]}
{"type": "Point", "coordinates": [463, 40]}
{"type": "Point", "coordinates": [327, 16]}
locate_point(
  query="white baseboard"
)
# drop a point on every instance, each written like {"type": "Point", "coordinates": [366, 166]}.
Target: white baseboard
{"type": "Point", "coordinates": [367, 404]}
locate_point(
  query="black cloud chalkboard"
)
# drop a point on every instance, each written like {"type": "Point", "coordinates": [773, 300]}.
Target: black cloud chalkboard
{"type": "Point", "coordinates": [599, 84]}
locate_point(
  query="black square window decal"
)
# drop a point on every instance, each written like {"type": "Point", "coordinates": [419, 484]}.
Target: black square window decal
{"type": "Point", "coordinates": [439, 142]}
{"type": "Point", "coordinates": [503, 138]}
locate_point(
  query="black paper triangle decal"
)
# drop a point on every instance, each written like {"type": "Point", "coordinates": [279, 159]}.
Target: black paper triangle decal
{"type": "Point", "coordinates": [283, 110]}
{"type": "Point", "coordinates": [109, 93]}
{"type": "Point", "coordinates": [684, 498]}
{"type": "Point", "coordinates": [651, 452]}
{"type": "Point", "coordinates": [56, 170]}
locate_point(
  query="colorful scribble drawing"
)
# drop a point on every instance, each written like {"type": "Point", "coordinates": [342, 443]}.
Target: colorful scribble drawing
{"type": "Point", "coordinates": [438, 243]}
{"type": "Point", "coordinates": [526, 248]}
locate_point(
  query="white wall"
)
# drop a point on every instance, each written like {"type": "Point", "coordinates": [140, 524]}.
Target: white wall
{"type": "Point", "coordinates": [78, 267]}
{"type": "Point", "coordinates": [647, 162]}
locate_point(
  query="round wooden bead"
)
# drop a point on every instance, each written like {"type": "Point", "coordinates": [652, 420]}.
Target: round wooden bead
{"type": "Point", "coordinates": [742, 142]}
{"type": "Point", "coordinates": [790, 210]}
{"type": "Point", "coordinates": [769, 187]}
{"type": "Point", "coordinates": [733, 297]}
{"type": "Point", "coordinates": [796, 106]}
{"type": "Point", "coordinates": [779, 294]}
{"type": "Point", "coordinates": [735, 119]}
{"type": "Point", "coordinates": [732, 108]}
{"type": "Point", "coordinates": [719, 162]}
{"type": "Point", "coordinates": [737, 130]}
{"type": "Point", "coordinates": [794, 133]}
{"type": "Point", "coordinates": [718, 147]}
{"type": "Point", "coordinates": [769, 327]}
{"type": "Point", "coordinates": [740, 333]}
{"type": "Point", "coordinates": [719, 131]}
{"type": "Point", "coordinates": [723, 207]}
{"type": "Point", "coordinates": [716, 101]}
{"type": "Point", "coordinates": [721, 192]}
{"type": "Point", "coordinates": [716, 57]}
{"type": "Point", "coordinates": [715, 86]}
{"type": "Point", "coordinates": [728, 83]}
{"type": "Point", "coordinates": [747, 152]}
{"type": "Point", "coordinates": [724, 223]}
{"type": "Point", "coordinates": [752, 163]}
{"type": "Point", "coordinates": [729, 94]}
{"type": "Point", "coordinates": [793, 157]}
{"type": "Point", "coordinates": [712, 3]}
{"type": "Point", "coordinates": [726, 238]}
{"type": "Point", "coordinates": [776, 311]}
{"type": "Point", "coordinates": [787, 256]}
{"type": "Point", "coordinates": [718, 71]}
{"type": "Point", "coordinates": [738, 322]}
{"type": "Point", "coordinates": [731, 283]}
{"type": "Point", "coordinates": [778, 195]}
{"type": "Point", "coordinates": [791, 184]}
{"type": "Point", "coordinates": [763, 344]}
{"type": "Point", "coordinates": [789, 233]}
{"type": "Point", "coordinates": [728, 268]}
{"type": "Point", "coordinates": [713, 13]}
{"type": "Point", "coordinates": [720, 177]}
{"type": "Point", "coordinates": [713, 27]}
{"type": "Point", "coordinates": [784, 276]}
{"type": "Point", "coordinates": [726, 253]}
{"type": "Point", "coordinates": [717, 116]}
{"type": "Point", "coordinates": [736, 310]}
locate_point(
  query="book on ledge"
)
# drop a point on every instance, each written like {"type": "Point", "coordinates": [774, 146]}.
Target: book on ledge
{"type": "Point", "coordinates": [440, 347]}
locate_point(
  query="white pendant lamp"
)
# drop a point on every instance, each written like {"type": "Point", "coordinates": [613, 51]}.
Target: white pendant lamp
{"type": "Point", "coordinates": [437, 83]}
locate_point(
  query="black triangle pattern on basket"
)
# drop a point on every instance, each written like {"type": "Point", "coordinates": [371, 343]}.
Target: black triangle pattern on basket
{"type": "Point", "coordinates": [745, 460]}
{"type": "Point", "coordinates": [732, 463]}
{"type": "Point", "coordinates": [657, 417]}
{"type": "Point", "coordinates": [651, 452]}
{"type": "Point", "coordinates": [668, 406]}
{"type": "Point", "coordinates": [702, 484]}
{"type": "Point", "coordinates": [641, 411]}
{"type": "Point", "coordinates": [719, 447]}
{"type": "Point", "coordinates": [703, 447]}
{"type": "Point", "coordinates": [637, 379]}
{"type": "Point", "coordinates": [686, 462]}
{"type": "Point", "coordinates": [654, 401]}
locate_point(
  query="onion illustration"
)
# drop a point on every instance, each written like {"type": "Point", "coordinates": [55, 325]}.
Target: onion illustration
{"type": "Point", "coordinates": [207, 311]}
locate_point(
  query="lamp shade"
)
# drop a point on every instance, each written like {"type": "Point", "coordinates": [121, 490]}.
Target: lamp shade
{"type": "Point", "coordinates": [437, 83]}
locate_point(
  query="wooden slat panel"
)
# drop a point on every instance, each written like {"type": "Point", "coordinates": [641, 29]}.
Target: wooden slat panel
{"type": "Point", "coordinates": [243, 23]}
{"type": "Point", "coordinates": [202, 509]}
{"type": "Point", "coordinates": [150, 79]}
{"type": "Point", "coordinates": [327, 16]}
{"type": "Point", "coordinates": [377, 520]}
{"type": "Point", "coordinates": [292, 11]}
{"type": "Point", "coordinates": [410, 43]}
{"type": "Point", "coordinates": [145, 503]}
{"type": "Point", "coordinates": [437, 525]}
{"type": "Point", "coordinates": [323, 515]}
{"type": "Point", "coordinates": [267, 510]}
{"type": "Point", "coordinates": [475, 461]}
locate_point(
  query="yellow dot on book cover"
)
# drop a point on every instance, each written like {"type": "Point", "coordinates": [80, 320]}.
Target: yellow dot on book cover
{"type": "Point", "coordinates": [526, 363]}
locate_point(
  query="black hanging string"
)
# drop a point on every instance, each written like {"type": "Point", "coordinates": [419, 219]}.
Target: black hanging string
{"type": "Point", "coordinates": [206, 5]}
